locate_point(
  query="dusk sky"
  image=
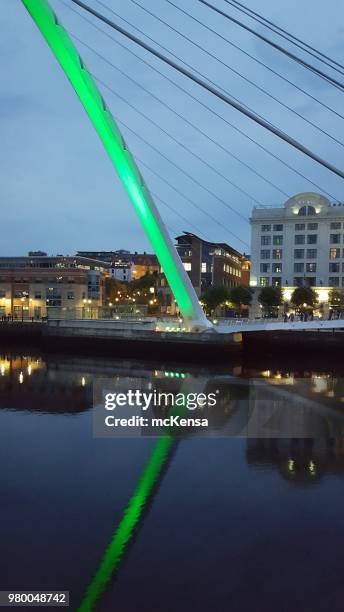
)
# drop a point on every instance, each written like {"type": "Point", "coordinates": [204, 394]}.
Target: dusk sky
{"type": "Point", "coordinates": [59, 191]}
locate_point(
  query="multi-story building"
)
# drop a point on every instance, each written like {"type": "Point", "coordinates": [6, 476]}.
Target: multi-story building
{"type": "Point", "coordinates": [122, 271]}
{"type": "Point", "coordinates": [126, 266]}
{"type": "Point", "coordinates": [105, 256]}
{"type": "Point", "coordinates": [29, 286]}
{"type": "Point", "coordinates": [301, 243]}
{"type": "Point", "coordinates": [209, 263]}
{"type": "Point", "coordinates": [144, 263]}
{"type": "Point", "coordinates": [298, 244]}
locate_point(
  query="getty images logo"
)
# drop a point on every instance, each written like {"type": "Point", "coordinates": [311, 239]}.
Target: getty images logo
{"type": "Point", "coordinates": [144, 401]}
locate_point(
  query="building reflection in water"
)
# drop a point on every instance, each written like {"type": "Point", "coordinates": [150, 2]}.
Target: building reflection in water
{"type": "Point", "coordinates": [301, 462]}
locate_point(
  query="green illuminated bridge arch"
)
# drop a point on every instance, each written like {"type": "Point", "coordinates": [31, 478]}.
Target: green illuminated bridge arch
{"type": "Point", "coordinates": [122, 160]}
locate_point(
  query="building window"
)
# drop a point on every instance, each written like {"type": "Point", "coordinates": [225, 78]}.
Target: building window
{"type": "Point", "coordinates": [204, 266]}
{"type": "Point", "coordinates": [312, 253]}
{"type": "Point", "coordinates": [298, 281]}
{"type": "Point", "coordinates": [311, 281]}
{"type": "Point", "coordinates": [312, 239]}
{"type": "Point", "coordinates": [265, 268]}
{"type": "Point", "coordinates": [278, 227]}
{"type": "Point", "coordinates": [277, 254]}
{"type": "Point", "coordinates": [334, 267]}
{"type": "Point", "coordinates": [38, 295]}
{"type": "Point", "coordinates": [187, 266]}
{"type": "Point", "coordinates": [278, 240]}
{"type": "Point", "coordinates": [299, 239]}
{"type": "Point", "coordinates": [299, 267]}
{"type": "Point", "coordinates": [264, 281]}
{"type": "Point", "coordinates": [2, 293]}
{"type": "Point", "coordinates": [299, 253]}
{"type": "Point", "coordinates": [334, 253]}
{"type": "Point", "coordinates": [333, 281]}
{"type": "Point", "coordinates": [336, 225]}
{"type": "Point", "coordinates": [299, 227]}
{"type": "Point", "coordinates": [70, 295]}
{"type": "Point", "coordinates": [311, 267]}
{"type": "Point", "coordinates": [277, 267]}
{"type": "Point", "coordinates": [276, 281]}
{"type": "Point", "coordinates": [334, 238]}
{"type": "Point", "coordinates": [265, 254]}
{"type": "Point", "coordinates": [312, 226]}
{"type": "Point", "coordinates": [307, 210]}
{"type": "Point", "coordinates": [266, 228]}
{"type": "Point", "coordinates": [265, 240]}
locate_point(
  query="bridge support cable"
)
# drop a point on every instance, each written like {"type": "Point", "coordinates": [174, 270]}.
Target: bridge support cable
{"type": "Point", "coordinates": [323, 75]}
{"type": "Point", "coordinates": [201, 159]}
{"type": "Point", "coordinates": [236, 72]}
{"type": "Point", "coordinates": [182, 117]}
{"type": "Point", "coordinates": [307, 48]}
{"type": "Point", "coordinates": [216, 114]}
{"type": "Point", "coordinates": [254, 59]}
{"type": "Point", "coordinates": [221, 96]}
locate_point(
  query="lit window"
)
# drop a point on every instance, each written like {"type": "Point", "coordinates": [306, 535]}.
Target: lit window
{"type": "Point", "coordinates": [187, 266]}
{"type": "Point", "coordinates": [264, 281]}
{"type": "Point", "coordinates": [204, 266]}
{"type": "Point", "coordinates": [277, 254]}
{"type": "Point", "coordinates": [334, 253]}
{"type": "Point", "coordinates": [311, 267]}
{"type": "Point", "coordinates": [278, 240]}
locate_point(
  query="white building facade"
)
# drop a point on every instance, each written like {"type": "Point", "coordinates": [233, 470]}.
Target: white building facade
{"type": "Point", "coordinates": [122, 271]}
{"type": "Point", "coordinates": [301, 243]}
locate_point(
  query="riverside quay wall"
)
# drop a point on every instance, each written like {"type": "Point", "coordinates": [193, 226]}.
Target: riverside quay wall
{"type": "Point", "coordinates": [139, 340]}
{"type": "Point", "coordinates": [121, 339]}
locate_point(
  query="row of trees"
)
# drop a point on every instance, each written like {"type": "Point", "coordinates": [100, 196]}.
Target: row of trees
{"type": "Point", "coordinates": [303, 299]}
{"type": "Point", "coordinates": [219, 295]}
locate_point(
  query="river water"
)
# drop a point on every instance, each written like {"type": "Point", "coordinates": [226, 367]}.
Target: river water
{"type": "Point", "coordinates": [246, 514]}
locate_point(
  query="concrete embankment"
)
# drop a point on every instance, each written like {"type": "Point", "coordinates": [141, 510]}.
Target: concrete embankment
{"type": "Point", "coordinates": [121, 339]}
{"type": "Point", "coordinates": [308, 343]}
{"type": "Point", "coordinates": [139, 340]}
